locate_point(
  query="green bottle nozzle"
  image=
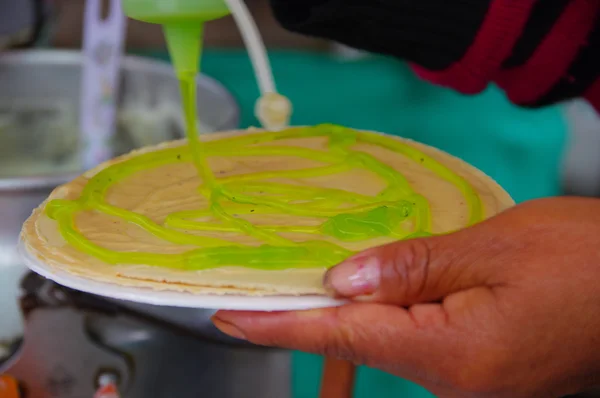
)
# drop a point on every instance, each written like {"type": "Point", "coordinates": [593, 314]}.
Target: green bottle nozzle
{"type": "Point", "coordinates": [183, 22]}
{"type": "Point", "coordinates": [184, 40]}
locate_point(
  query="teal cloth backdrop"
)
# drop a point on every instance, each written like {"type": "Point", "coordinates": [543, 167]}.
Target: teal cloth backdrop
{"type": "Point", "coordinates": [521, 149]}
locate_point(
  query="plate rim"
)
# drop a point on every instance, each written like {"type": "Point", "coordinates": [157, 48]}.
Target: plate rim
{"type": "Point", "coordinates": [173, 298]}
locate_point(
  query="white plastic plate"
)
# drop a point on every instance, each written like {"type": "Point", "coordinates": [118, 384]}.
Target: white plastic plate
{"type": "Point", "coordinates": [176, 299]}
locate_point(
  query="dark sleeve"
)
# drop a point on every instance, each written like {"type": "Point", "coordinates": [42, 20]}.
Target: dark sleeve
{"type": "Point", "coordinates": [538, 51]}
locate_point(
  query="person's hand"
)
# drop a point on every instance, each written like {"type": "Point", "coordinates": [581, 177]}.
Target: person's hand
{"type": "Point", "coordinates": [507, 308]}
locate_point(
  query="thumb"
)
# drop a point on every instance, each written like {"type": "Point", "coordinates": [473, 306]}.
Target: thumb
{"type": "Point", "coordinates": [417, 270]}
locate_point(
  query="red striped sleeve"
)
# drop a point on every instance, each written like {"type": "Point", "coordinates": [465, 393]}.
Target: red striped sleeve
{"type": "Point", "coordinates": [501, 29]}
{"type": "Point", "coordinates": [551, 60]}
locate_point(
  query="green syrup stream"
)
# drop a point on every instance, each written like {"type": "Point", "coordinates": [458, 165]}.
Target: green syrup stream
{"type": "Point", "coordinates": [347, 216]}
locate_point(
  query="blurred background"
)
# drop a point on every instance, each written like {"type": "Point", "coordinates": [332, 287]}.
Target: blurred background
{"type": "Point", "coordinates": [532, 153]}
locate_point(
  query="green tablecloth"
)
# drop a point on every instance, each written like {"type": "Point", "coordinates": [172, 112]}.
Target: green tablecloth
{"type": "Point", "coordinates": [521, 149]}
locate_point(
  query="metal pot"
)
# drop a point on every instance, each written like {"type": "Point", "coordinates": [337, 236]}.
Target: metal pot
{"type": "Point", "coordinates": [39, 108]}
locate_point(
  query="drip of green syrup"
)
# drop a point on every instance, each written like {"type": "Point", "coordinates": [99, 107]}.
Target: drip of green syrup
{"type": "Point", "coordinates": [184, 40]}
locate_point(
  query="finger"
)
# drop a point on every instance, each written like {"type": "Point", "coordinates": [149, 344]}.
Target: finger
{"type": "Point", "coordinates": [372, 334]}
{"type": "Point", "coordinates": [417, 270]}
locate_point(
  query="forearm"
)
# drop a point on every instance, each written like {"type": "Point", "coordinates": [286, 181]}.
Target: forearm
{"type": "Point", "coordinates": [538, 52]}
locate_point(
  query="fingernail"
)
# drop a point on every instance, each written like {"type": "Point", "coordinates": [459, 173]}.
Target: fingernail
{"type": "Point", "coordinates": [355, 277]}
{"type": "Point", "coordinates": [228, 329]}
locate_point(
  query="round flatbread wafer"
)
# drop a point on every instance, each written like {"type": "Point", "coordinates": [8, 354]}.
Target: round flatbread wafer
{"type": "Point", "coordinates": [283, 208]}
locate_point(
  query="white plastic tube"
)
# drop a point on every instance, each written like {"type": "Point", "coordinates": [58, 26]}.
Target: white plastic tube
{"type": "Point", "coordinates": [272, 109]}
{"type": "Point", "coordinates": [254, 45]}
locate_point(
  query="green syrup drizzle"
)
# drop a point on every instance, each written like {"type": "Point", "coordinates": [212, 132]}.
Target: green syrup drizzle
{"type": "Point", "coordinates": [367, 217]}
{"type": "Point", "coordinates": [347, 216]}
